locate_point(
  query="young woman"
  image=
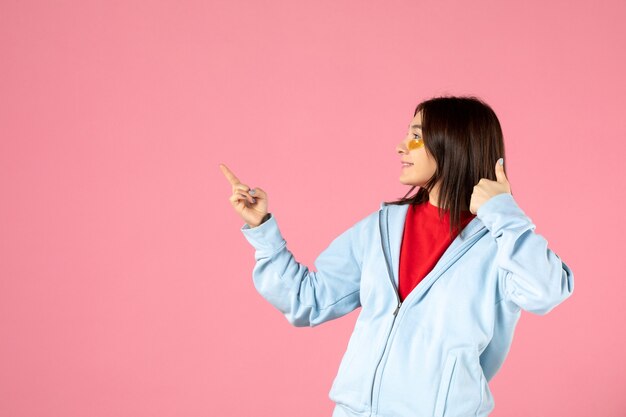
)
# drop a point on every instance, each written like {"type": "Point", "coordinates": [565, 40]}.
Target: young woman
{"type": "Point", "coordinates": [441, 277]}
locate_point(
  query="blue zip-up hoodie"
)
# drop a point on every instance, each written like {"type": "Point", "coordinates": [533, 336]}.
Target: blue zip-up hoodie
{"type": "Point", "coordinates": [434, 353]}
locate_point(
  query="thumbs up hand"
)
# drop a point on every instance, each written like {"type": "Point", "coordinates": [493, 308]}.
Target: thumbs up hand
{"type": "Point", "coordinates": [485, 189]}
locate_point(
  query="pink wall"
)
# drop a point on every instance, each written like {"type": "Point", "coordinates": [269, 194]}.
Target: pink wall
{"type": "Point", "coordinates": [125, 283]}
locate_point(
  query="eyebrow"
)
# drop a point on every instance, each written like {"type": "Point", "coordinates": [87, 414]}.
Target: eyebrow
{"type": "Point", "coordinates": [418, 126]}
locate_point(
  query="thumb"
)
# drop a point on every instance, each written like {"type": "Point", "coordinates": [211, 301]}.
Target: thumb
{"type": "Point", "coordinates": [500, 175]}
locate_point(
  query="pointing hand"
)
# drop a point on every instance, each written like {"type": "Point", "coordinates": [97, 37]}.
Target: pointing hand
{"type": "Point", "coordinates": [251, 204]}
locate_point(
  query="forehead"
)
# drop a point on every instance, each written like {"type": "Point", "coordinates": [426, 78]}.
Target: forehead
{"type": "Point", "coordinates": [417, 120]}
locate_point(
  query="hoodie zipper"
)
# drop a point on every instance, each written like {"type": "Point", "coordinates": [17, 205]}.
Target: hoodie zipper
{"type": "Point", "coordinates": [393, 283]}
{"type": "Point", "coordinates": [389, 269]}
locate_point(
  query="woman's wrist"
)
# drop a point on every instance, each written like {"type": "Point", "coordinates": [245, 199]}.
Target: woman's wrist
{"type": "Point", "coordinates": [263, 220]}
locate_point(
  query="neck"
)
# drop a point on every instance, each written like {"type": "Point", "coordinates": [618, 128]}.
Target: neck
{"type": "Point", "coordinates": [433, 198]}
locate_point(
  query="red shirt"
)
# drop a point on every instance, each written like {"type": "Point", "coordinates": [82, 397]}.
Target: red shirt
{"type": "Point", "coordinates": [424, 240]}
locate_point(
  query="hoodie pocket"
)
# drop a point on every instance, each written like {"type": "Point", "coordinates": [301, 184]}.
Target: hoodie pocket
{"type": "Point", "coordinates": [444, 385]}
{"type": "Point", "coordinates": [351, 388]}
{"type": "Point", "coordinates": [460, 389]}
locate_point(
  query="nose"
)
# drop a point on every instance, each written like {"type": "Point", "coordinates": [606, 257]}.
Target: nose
{"type": "Point", "coordinates": [401, 148]}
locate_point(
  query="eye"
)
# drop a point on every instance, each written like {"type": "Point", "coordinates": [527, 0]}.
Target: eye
{"type": "Point", "coordinates": [417, 136]}
{"type": "Point", "coordinates": [415, 143]}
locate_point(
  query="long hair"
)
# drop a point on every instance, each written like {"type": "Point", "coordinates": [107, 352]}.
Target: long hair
{"type": "Point", "coordinates": [464, 137]}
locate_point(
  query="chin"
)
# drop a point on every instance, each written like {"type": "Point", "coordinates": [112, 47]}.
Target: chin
{"type": "Point", "coordinates": [409, 182]}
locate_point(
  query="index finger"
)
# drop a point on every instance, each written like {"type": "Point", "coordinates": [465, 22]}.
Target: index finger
{"type": "Point", "coordinates": [229, 175]}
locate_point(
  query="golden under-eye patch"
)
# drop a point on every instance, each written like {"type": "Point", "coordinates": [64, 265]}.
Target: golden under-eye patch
{"type": "Point", "coordinates": [415, 144]}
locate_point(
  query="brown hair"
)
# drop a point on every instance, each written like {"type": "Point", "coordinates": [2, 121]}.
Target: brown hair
{"type": "Point", "coordinates": [464, 137]}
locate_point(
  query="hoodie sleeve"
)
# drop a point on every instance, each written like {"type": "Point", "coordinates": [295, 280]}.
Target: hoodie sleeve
{"type": "Point", "coordinates": [531, 275]}
{"type": "Point", "coordinates": [306, 298]}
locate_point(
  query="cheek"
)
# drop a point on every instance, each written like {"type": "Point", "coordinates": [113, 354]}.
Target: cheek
{"type": "Point", "coordinates": [433, 166]}
{"type": "Point", "coordinates": [423, 161]}
{"type": "Point", "coordinates": [430, 163]}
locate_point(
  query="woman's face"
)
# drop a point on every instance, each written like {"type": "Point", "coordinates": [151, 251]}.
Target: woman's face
{"type": "Point", "coordinates": [422, 165]}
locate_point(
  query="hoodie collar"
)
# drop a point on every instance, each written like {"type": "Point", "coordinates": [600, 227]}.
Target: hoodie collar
{"type": "Point", "coordinates": [397, 215]}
